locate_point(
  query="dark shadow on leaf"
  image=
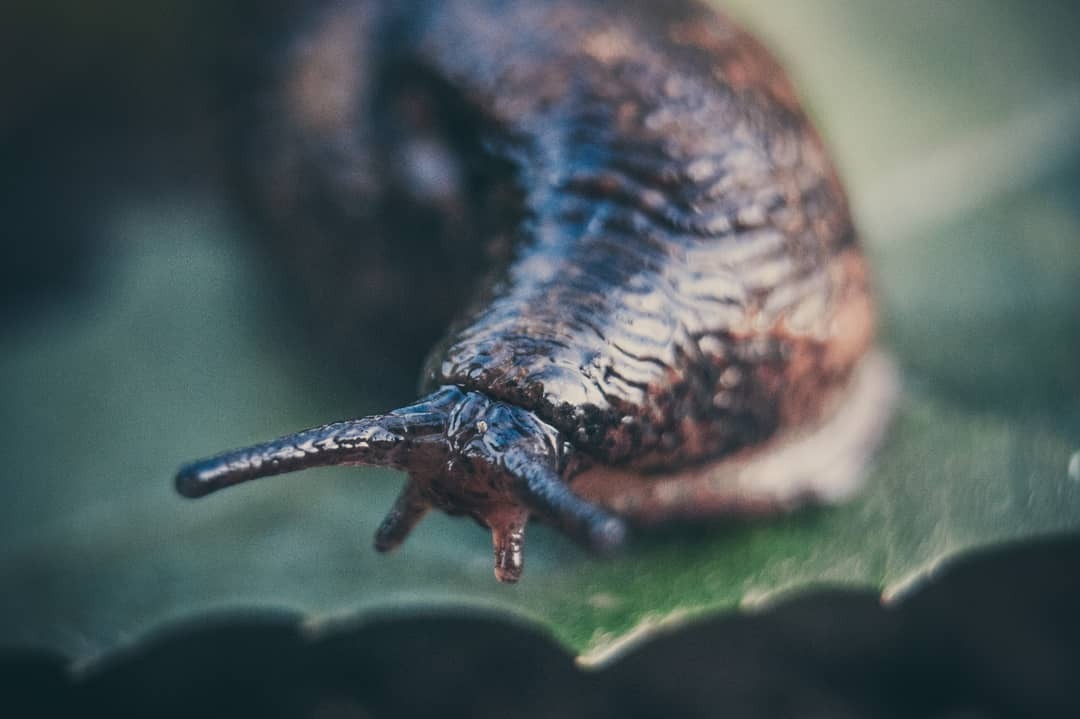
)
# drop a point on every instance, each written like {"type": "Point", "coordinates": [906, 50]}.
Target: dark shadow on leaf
{"type": "Point", "coordinates": [996, 635]}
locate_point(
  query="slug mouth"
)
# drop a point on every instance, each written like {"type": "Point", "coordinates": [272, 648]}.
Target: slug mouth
{"type": "Point", "coordinates": [464, 453]}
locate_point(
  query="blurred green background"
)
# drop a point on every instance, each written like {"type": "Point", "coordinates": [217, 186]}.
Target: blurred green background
{"type": "Point", "coordinates": [141, 326]}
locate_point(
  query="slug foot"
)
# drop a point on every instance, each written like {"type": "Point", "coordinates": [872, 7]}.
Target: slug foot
{"type": "Point", "coordinates": [823, 463]}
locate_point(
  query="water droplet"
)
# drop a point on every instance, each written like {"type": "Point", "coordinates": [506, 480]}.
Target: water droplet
{"type": "Point", "coordinates": [1074, 466]}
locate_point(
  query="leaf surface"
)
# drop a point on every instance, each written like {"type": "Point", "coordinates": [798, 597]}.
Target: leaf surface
{"type": "Point", "coordinates": [177, 355]}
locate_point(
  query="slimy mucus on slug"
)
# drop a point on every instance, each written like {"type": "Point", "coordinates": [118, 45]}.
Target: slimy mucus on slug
{"type": "Point", "coordinates": [676, 320]}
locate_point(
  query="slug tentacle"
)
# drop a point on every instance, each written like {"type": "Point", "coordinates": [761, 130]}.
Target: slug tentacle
{"type": "Point", "coordinates": [409, 508]}
{"type": "Point", "coordinates": [465, 454]}
{"type": "Point", "coordinates": [508, 538]}
{"type": "Point", "coordinates": [543, 491]}
{"type": "Point", "coordinates": [393, 440]}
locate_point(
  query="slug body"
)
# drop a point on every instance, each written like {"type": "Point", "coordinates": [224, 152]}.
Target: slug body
{"type": "Point", "coordinates": [674, 291]}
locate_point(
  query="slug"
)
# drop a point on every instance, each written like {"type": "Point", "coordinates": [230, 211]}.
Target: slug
{"type": "Point", "coordinates": [662, 309]}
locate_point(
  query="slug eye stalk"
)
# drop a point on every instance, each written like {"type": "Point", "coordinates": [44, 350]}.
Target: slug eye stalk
{"type": "Point", "coordinates": [378, 441]}
{"type": "Point", "coordinates": [464, 453]}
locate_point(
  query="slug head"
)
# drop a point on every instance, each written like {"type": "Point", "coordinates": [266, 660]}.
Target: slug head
{"type": "Point", "coordinates": [464, 453]}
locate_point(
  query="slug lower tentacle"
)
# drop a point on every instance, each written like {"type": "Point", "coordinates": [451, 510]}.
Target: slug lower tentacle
{"type": "Point", "coordinates": [673, 280]}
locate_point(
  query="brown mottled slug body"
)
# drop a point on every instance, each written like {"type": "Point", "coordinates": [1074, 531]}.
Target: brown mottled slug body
{"type": "Point", "coordinates": [675, 320]}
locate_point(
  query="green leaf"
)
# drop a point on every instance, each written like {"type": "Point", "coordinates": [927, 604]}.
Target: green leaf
{"type": "Point", "coordinates": [177, 356]}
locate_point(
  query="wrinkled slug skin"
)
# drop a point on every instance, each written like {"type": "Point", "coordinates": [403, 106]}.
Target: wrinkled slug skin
{"type": "Point", "coordinates": [619, 209]}
{"type": "Point", "coordinates": [686, 247]}
{"type": "Point", "coordinates": [681, 275]}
